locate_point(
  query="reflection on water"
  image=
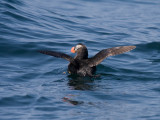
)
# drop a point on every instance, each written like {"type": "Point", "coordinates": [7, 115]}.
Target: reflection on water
{"type": "Point", "coordinates": [81, 83]}
{"type": "Point", "coordinates": [76, 82]}
{"type": "Point", "coordinates": [73, 102]}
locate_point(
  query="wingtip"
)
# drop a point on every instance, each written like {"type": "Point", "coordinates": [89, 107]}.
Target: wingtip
{"type": "Point", "coordinates": [40, 51]}
{"type": "Point", "coordinates": [133, 47]}
{"type": "Point", "coordinates": [130, 48]}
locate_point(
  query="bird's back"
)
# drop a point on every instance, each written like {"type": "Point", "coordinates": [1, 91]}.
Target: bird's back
{"type": "Point", "coordinates": [81, 68]}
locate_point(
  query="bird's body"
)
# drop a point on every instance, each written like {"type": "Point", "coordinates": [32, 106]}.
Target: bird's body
{"type": "Point", "coordinates": [81, 68]}
{"type": "Point", "coordinates": [81, 64]}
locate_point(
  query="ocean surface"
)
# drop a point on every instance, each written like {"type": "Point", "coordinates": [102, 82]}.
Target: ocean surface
{"type": "Point", "coordinates": [34, 86]}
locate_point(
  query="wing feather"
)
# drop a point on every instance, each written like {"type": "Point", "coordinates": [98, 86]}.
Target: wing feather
{"type": "Point", "coordinates": [99, 57]}
{"type": "Point", "coordinates": [57, 54]}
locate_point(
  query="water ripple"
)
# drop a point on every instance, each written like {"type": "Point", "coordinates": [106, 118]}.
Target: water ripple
{"type": "Point", "coordinates": [35, 86]}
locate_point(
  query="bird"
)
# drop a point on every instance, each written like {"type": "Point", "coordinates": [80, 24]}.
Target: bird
{"type": "Point", "coordinates": [81, 65]}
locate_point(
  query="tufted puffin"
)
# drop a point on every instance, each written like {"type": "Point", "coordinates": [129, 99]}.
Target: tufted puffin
{"type": "Point", "coordinates": [81, 64]}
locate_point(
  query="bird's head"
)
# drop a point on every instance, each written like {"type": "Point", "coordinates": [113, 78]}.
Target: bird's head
{"type": "Point", "coordinates": [78, 48]}
{"type": "Point", "coordinates": [81, 51]}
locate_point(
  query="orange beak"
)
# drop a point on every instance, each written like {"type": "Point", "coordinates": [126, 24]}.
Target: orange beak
{"type": "Point", "coordinates": [72, 50]}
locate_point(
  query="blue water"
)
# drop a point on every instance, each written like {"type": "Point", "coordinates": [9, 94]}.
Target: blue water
{"type": "Point", "coordinates": [34, 86]}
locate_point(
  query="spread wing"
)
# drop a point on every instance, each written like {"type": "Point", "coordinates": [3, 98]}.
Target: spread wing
{"type": "Point", "coordinates": [57, 54]}
{"type": "Point", "coordinates": [99, 57]}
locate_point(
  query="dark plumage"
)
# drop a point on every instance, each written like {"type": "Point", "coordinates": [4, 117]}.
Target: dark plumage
{"type": "Point", "coordinates": [81, 64]}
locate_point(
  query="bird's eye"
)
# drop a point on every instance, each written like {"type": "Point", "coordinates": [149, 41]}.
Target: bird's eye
{"type": "Point", "coordinates": [77, 47]}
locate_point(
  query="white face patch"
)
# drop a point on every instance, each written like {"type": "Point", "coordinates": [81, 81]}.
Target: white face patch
{"type": "Point", "coordinates": [77, 47]}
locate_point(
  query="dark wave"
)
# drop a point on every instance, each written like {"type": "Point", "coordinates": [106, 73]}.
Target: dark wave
{"type": "Point", "coordinates": [16, 2]}
{"type": "Point", "coordinates": [16, 101]}
{"type": "Point", "coordinates": [149, 46]}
